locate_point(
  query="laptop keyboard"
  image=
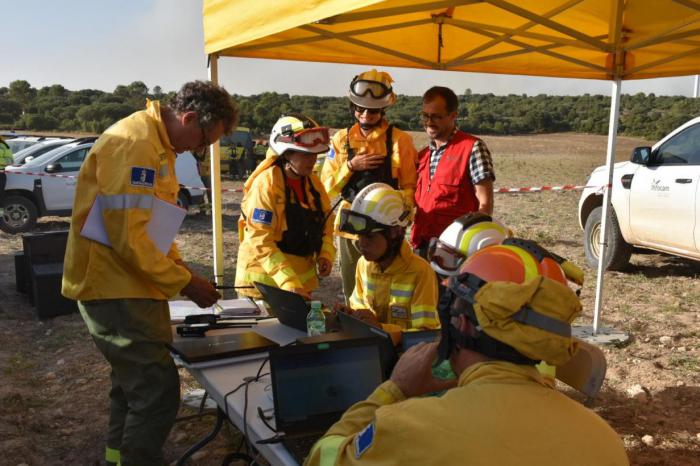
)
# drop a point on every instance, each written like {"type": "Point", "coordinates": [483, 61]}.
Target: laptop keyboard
{"type": "Point", "coordinates": [299, 447]}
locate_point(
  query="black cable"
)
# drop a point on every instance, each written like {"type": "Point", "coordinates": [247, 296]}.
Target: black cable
{"type": "Point", "coordinates": [264, 419]}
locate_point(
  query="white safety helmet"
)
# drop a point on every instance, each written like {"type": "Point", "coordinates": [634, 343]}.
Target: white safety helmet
{"type": "Point", "coordinates": [462, 238]}
{"type": "Point", "coordinates": [300, 133]}
{"type": "Point", "coordinates": [377, 207]}
{"type": "Point", "coordinates": [372, 89]}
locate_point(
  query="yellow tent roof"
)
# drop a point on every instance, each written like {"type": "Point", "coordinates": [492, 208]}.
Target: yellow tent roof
{"type": "Point", "coordinates": [595, 39]}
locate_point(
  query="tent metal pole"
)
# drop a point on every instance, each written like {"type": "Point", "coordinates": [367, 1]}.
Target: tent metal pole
{"type": "Point", "coordinates": [609, 162]}
{"type": "Point", "coordinates": [696, 89]}
{"type": "Point", "coordinates": [216, 218]}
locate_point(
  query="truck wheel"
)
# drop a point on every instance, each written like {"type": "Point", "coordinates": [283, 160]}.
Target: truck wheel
{"type": "Point", "coordinates": [182, 200]}
{"type": "Point", "coordinates": [617, 251]}
{"type": "Point", "coordinates": [19, 214]}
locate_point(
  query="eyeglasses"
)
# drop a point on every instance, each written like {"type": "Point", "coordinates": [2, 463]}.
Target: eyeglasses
{"type": "Point", "coordinates": [444, 256]}
{"type": "Point", "coordinates": [308, 138]}
{"type": "Point", "coordinates": [370, 111]}
{"type": "Point", "coordinates": [362, 87]}
{"type": "Point", "coordinates": [425, 117]}
{"type": "Point", "coordinates": [201, 151]}
{"type": "Point", "coordinates": [358, 224]}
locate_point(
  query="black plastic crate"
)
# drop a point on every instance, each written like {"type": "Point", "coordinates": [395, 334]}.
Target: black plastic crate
{"type": "Point", "coordinates": [21, 273]}
{"type": "Point", "coordinates": [46, 291]}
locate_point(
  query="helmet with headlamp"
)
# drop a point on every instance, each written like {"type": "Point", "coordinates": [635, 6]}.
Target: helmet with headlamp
{"type": "Point", "coordinates": [298, 133]}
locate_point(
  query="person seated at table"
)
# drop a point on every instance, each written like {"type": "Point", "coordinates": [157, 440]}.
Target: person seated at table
{"type": "Point", "coordinates": [393, 286]}
{"type": "Point", "coordinates": [502, 411]}
{"type": "Point", "coordinates": [283, 229]}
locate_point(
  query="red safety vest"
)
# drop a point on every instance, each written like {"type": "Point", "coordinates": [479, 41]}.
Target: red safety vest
{"type": "Point", "coordinates": [450, 194]}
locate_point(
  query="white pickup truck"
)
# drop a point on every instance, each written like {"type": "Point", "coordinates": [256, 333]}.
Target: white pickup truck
{"type": "Point", "coordinates": [655, 200]}
{"type": "Point", "coordinates": [28, 197]}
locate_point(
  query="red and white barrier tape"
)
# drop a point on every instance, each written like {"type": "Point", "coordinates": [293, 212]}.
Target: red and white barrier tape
{"type": "Point", "coordinates": [525, 190]}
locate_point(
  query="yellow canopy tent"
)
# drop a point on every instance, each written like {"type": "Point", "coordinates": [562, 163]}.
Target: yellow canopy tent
{"type": "Point", "coordinates": [593, 39]}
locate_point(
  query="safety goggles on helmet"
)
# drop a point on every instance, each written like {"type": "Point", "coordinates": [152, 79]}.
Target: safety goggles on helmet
{"type": "Point", "coordinates": [359, 224]}
{"type": "Point", "coordinates": [362, 87]}
{"type": "Point", "coordinates": [306, 138]}
{"type": "Point", "coordinates": [444, 256]}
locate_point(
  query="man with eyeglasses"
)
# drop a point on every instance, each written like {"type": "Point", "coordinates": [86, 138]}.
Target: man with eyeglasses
{"type": "Point", "coordinates": [455, 171]}
{"type": "Point", "coordinates": [370, 151]}
{"type": "Point", "coordinates": [123, 289]}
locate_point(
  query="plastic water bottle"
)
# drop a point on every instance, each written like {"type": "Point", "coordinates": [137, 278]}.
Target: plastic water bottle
{"type": "Point", "coordinates": [315, 320]}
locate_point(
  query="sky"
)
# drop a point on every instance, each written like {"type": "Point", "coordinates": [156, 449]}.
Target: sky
{"type": "Point", "coordinates": [99, 44]}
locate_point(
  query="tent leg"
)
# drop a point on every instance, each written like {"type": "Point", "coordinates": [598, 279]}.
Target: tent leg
{"type": "Point", "coordinates": [696, 88]}
{"type": "Point", "coordinates": [609, 163]}
{"type": "Point", "coordinates": [216, 218]}
{"type": "Point", "coordinates": [596, 334]}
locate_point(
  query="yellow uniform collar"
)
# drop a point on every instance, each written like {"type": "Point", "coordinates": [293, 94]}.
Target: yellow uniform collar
{"type": "Point", "coordinates": [500, 371]}
{"type": "Point", "coordinates": [399, 264]}
{"type": "Point", "coordinates": [378, 132]}
{"type": "Point", "coordinates": [153, 111]}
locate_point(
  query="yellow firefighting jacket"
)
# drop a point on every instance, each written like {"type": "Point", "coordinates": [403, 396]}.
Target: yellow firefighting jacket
{"type": "Point", "coordinates": [262, 224]}
{"type": "Point", "coordinates": [405, 294]}
{"type": "Point", "coordinates": [335, 172]}
{"type": "Point", "coordinates": [132, 163]}
{"type": "Point", "coordinates": [499, 414]}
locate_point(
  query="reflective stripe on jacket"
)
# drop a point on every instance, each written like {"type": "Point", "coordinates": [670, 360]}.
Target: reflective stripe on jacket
{"type": "Point", "coordinates": [130, 164]}
{"type": "Point", "coordinates": [450, 194]}
{"type": "Point", "coordinates": [262, 224]}
{"type": "Point", "coordinates": [335, 172]}
{"type": "Point", "coordinates": [405, 294]}
{"type": "Point", "coordinates": [499, 414]}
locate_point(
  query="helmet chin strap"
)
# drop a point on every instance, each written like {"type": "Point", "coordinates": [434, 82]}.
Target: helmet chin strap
{"type": "Point", "coordinates": [367, 126]}
{"type": "Point", "coordinates": [292, 168]}
{"type": "Point", "coordinates": [393, 247]}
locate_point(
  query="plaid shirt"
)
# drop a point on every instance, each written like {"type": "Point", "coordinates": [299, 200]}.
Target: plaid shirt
{"type": "Point", "coordinates": [480, 163]}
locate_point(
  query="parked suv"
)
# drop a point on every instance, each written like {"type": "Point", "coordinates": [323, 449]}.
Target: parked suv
{"type": "Point", "coordinates": [40, 148]}
{"type": "Point", "coordinates": [655, 201]}
{"type": "Point", "coordinates": [19, 143]}
{"type": "Point", "coordinates": [29, 197]}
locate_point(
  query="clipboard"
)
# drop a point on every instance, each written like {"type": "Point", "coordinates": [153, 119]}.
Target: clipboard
{"type": "Point", "coordinates": [165, 222]}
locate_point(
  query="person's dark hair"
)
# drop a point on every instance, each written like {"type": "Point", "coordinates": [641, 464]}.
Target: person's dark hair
{"type": "Point", "coordinates": [211, 103]}
{"type": "Point", "coordinates": [447, 95]}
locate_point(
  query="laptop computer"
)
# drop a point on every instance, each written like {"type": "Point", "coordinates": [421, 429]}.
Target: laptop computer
{"type": "Point", "coordinates": [289, 308]}
{"type": "Point", "coordinates": [210, 348]}
{"type": "Point", "coordinates": [313, 385]}
{"type": "Point", "coordinates": [361, 329]}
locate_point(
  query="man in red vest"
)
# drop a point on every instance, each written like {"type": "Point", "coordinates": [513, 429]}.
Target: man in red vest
{"type": "Point", "coordinates": [455, 171]}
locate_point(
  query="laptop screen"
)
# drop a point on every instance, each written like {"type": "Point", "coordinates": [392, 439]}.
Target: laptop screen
{"type": "Point", "coordinates": [313, 385]}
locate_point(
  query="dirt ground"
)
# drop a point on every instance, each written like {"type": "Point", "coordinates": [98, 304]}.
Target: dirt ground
{"type": "Point", "coordinates": [53, 395]}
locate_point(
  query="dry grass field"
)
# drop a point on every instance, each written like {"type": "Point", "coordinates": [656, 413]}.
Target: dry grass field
{"type": "Point", "coordinates": [53, 395]}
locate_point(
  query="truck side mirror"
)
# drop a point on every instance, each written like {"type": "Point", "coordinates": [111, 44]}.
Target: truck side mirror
{"type": "Point", "coordinates": [641, 155]}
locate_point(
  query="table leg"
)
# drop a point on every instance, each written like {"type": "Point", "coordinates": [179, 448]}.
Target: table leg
{"type": "Point", "coordinates": [220, 416]}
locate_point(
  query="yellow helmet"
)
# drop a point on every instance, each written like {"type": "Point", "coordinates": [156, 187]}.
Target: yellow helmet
{"type": "Point", "coordinates": [372, 89]}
